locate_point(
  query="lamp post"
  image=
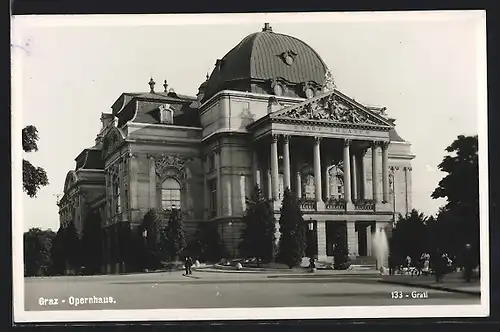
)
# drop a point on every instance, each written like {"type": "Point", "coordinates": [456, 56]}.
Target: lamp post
{"type": "Point", "coordinates": [392, 181]}
{"type": "Point", "coordinates": [145, 237]}
{"type": "Point", "coordinates": [230, 224]}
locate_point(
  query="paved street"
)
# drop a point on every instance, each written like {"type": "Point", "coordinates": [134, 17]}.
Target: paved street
{"type": "Point", "coordinates": [216, 290]}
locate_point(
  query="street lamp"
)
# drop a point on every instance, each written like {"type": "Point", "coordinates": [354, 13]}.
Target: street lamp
{"type": "Point", "coordinates": [393, 193]}
{"type": "Point", "coordinates": [230, 224]}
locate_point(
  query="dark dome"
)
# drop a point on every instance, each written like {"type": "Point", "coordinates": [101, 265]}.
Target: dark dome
{"type": "Point", "coordinates": [263, 59]}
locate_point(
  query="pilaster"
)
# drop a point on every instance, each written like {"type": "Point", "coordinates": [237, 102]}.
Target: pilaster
{"type": "Point", "coordinates": [134, 182]}
{"type": "Point", "coordinates": [152, 183]}
{"type": "Point", "coordinates": [321, 233]}
{"type": "Point", "coordinates": [352, 239]}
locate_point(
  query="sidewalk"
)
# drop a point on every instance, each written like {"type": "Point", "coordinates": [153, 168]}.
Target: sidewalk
{"type": "Point", "coordinates": [451, 283]}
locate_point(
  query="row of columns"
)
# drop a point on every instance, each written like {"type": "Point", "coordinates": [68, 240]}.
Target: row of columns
{"type": "Point", "coordinates": [350, 189]}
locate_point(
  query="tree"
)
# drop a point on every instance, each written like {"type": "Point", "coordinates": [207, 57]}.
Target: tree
{"type": "Point", "coordinates": [33, 177]}
{"type": "Point", "coordinates": [460, 187]}
{"type": "Point", "coordinates": [73, 247]}
{"type": "Point", "coordinates": [37, 246]}
{"type": "Point", "coordinates": [58, 253]}
{"type": "Point", "coordinates": [408, 237]}
{"type": "Point", "coordinates": [259, 235]}
{"type": "Point", "coordinates": [92, 242]}
{"type": "Point", "coordinates": [173, 237]}
{"type": "Point", "coordinates": [206, 244]}
{"type": "Point", "coordinates": [292, 242]}
{"type": "Point", "coordinates": [151, 228]}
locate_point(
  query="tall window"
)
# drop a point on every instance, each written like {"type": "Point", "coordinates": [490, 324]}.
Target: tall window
{"type": "Point", "coordinates": [211, 162]}
{"type": "Point", "coordinates": [171, 194]}
{"type": "Point", "coordinates": [116, 186]}
{"type": "Point", "coordinates": [212, 187]}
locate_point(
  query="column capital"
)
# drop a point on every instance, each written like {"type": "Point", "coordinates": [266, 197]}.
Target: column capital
{"type": "Point", "coordinates": [375, 144]}
{"type": "Point", "coordinates": [393, 168]}
{"type": "Point", "coordinates": [286, 138]}
{"type": "Point", "coordinates": [347, 142]}
{"type": "Point", "coordinates": [317, 140]}
{"type": "Point", "coordinates": [132, 155]}
{"type": "Point", "coordinates": [384, 144]}
{"type": "Point", "coordinates": [274, 138]}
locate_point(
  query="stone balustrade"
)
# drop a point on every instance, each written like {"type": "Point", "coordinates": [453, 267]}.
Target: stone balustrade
{"type": "Point", "coordinates": [364, 205]}
{"type": "Point", "coordinates": [307, 204]}
{"type": "Point", "coordinates": [335, 205]}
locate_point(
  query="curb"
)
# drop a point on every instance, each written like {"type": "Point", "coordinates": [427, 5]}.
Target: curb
{"type": "Point", "coordinates": [441, 288]}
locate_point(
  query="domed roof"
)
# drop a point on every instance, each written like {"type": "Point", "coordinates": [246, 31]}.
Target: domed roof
{"type": "Point", "coordinates": [265, 57]}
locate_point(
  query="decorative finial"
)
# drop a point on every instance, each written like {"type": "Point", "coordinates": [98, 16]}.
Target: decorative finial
{"type": "Point", "coordinates": [267, 28]}
{"type": "Point", "coordinates": [152, 85]}
{"type": "Point", "coordinates": [207, 76]}
{"type": "Point", "coordinates": [165, 86]}
{"type": "Point", "coordinates": [329, 81]}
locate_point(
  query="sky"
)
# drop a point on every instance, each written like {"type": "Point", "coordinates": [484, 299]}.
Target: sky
{"type": "Point", "coordinates": [422, 67]}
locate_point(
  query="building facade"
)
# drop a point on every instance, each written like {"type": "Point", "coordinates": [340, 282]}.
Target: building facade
{"type": "Point", "coordinates": [269, 114]}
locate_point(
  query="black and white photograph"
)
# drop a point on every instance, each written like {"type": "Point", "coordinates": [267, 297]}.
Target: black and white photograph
{"type": "Point", "coordinates": [249, 166]}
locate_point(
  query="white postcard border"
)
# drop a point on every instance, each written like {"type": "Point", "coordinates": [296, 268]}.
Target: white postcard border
{"type": "Point", "coordinates": [20, 315]}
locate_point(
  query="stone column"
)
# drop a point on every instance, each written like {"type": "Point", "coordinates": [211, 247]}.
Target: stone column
{"type": "Point", "coordinates": [352, 239]}
{"type": "Point", "coordinates": [286, 163]}
{"type": "Point", "coordinates": [347, 171]}
{"type": "Point", "coordinates": [320, 205]}
{"type": "Point", "coordinates": [256, 169]}
{"type": "Point", "coordinates": [327, 183]}
{"type": "Point", "coordinates": [269, 185]}
{"type": "Point", "coordinates": [369, 240]}
{"type": "Point", "coordinates": [354, 177]}
{"type": "Point", "coordinates": [299, 185]}
{"type": "Point", "coordinates": [385, 171]}
{"type": "Point", "coordinates": [321, 240]}
{"type": "Point", "coordinates": [362, 177]}
{"type": "Point", "coordinates": [376, 198]}
{"type": "Point", "coordinates": [274, 167]}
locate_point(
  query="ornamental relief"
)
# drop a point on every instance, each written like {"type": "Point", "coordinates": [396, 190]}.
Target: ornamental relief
{"type": "Point", "coordinates": [331, 108]}
{"type": "Point", "coordinates": [171, 166]}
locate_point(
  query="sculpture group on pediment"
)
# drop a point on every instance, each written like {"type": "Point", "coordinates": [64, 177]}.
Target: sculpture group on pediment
{"type": "Point", "coordinates": [329, 108]}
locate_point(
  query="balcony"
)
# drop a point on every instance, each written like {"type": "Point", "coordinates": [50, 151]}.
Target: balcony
{"type": "Point", "coordinates": [364, 205]}
{"type": "Point", "coordinates": [307, 204]}
{"type": "Point", "coordinates": [335, 204]}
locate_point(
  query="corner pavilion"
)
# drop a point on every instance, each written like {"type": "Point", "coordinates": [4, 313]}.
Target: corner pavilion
{"type": "Point", "coordinates": [269, 114]}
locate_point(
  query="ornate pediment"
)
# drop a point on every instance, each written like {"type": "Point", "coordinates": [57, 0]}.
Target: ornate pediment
{"type": "Point", "coordinates": [332, 107]}
{"type": "Point", "coordinates": [113, 139]}
{"type": "Point", "coordinates": [171, 166]}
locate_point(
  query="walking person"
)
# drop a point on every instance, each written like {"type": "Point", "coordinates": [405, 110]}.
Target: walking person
{"type": "Point", "coordinates": [391, 264]}
{"type": "Point", "coordinates": [312, 265]}
{"type": "Point", "coordinates": [190, 264]}
{"type": "Point", "coordinates": [187, 265]}
{"type": "Point", "coordinates": [437, 265]}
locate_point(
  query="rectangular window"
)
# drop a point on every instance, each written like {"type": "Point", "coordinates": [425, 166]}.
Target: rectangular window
{"type": "Point", "coordinates": [170, 199]}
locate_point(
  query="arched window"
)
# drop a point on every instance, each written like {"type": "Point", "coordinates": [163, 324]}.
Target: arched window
{"type": "Point", "coordinates": [171, 194]}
